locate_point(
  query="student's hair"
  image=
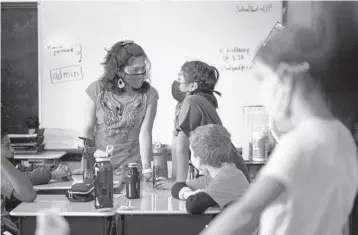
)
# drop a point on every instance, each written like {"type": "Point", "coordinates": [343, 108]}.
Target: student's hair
{"type": "Point", "coordinates": [212, 144]}
{"type": "Point", "coordinates": [205, 76]}
{"type": "Point", "coordinates": [32, 122]}
{"type": "Point", "coordinates": [4, 130]}
{"type": "Point", "coordinates": [115, 61]}
{"type": "Point", "coordinates": [330, 47]}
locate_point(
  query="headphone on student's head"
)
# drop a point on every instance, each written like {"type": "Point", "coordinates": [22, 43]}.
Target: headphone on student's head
{"type": "Point", "coordinates": [126, 42]}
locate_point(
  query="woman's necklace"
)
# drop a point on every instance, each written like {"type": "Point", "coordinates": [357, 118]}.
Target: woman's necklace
{"type": "Point", "coordinates": [120, 107]}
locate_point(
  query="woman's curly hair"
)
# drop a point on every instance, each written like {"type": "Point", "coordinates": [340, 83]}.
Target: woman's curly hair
{"type": "Point", "coordinates": [115, 61]}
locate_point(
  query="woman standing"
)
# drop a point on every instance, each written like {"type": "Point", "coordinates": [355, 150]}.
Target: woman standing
{"type": "Point", "coordinates": [121, 107]}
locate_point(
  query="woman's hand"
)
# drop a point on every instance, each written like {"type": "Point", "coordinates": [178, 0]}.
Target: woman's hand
{"type": "Point", "coordinates": [147, 175]}
{"type": "Point", "coordinates": [164, 184]}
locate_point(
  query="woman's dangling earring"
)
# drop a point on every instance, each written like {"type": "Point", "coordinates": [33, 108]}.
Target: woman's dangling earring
{"type": "Point", "coordinates": [121, 83]}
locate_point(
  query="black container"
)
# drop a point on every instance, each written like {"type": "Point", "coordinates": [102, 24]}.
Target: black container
{"type": "Point", "coordinates": [133, 182]}
{"type": "Point", "coordinates": [103, 184]}
{"type": "Point", "coordinates": [88, 159]}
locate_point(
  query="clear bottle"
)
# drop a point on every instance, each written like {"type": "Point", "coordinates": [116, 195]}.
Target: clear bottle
{"type": "Point", "coordinates": [260, 145]}
{"type": "Point", "coordinates": [88, 159]}
{"type": "Point", "coordinates": [247, 147]}
{"type": "Point", "coordinates": [160, 166]}
{"type": "Point", "coordinates": [103, 183]}
{"type": "Point", "coordinates": [133, 182]}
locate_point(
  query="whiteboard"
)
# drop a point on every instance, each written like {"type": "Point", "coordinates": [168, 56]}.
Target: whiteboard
{"type": "Point", "coordinates": [73, 35]}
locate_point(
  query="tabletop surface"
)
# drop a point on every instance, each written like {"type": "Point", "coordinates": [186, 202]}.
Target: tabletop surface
{"type": "Point", "coordinates": [151, 202]}
{"type": "Point", "coordinates": [59, 185]}
{"type": "Point", "coordinates": [62, 204]}
{"type": "Point", "coordinates": [41, 156]}
{"type": "Point", "coordinates": [154, 202]}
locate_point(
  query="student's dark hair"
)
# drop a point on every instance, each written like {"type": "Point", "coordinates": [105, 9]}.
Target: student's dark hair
{"type": "Point", "coordinates": [115, 61]}
{"type": "Point", "coordinates": [205, 76]}
{"type": "Point", "coordinates": [32, 122]}
{"type": "Point", "coordinates": [330, 47]}
{"type": "Point", "coordinates": [4, 129]}
{"type": "Point", "coordinates": [212, 144]}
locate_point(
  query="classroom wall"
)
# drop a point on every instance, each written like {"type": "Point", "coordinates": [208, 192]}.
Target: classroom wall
{"type": "Point", "coordinates": [217, 30]}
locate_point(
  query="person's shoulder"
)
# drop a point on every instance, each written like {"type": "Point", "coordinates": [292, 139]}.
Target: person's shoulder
{"type": "Point", "coordinates": [303, 136]}
{"type": "Point", "coordinates": [152, 90]}
{"type": "Point", "coordinates": [196, 97]}
{"type": "Point", "coordinates": [337, 139]}
{"type": "Point", "coordinates": [292, 144]}
{"type": "Point", "coordinates": [193, 100]}
{"type": "Point", "coordinates": [315, 137]}
{"type": "Point", "coordinates": [152, 93]}
{"type": "Point", "coordinates": [229, 173]}
{"type": "Point", "coordinates": [322, 133]}
{"type": "Point", "coordinates": [96, 85]}
{"type": "Point", "coordinates": [229, 185]}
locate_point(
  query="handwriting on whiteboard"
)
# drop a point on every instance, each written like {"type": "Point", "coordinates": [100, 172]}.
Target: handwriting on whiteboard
{"type": "Point", "coordinates": [234, 54]}
{"type": "Point", "coordinates": [254, 7]}
{"type": "Point", "coordinates": [66, 74]}
{"type": "Point", "coordinates": [238, 68]}
{"type": "Point", "coordinates": [235, 59]}
{"type": "Point", "coordinates": [62, 49]}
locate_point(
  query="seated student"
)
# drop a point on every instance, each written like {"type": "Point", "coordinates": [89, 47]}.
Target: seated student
{"type": "Point", "coordinates": [14, 185]}
{"type": "Point", "coordinates": [42, 174]}
{"type": "Point", "coordinates": [32, 124]}
{"type": "Point", "coordinates": [222, 182]}
{"type": "Point", "coordinates": [37, 173]}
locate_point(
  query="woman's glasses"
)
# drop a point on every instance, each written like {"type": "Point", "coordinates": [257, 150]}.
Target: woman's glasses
{"type": "Point", "coordinates": [135, 72]}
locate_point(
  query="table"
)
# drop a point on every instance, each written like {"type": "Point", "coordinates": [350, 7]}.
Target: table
{"type": "Point", "coordinates": [82, 216]}
{"type": "Point", "coordinates": [43, 156]}
{"type": "Point", "coordinates": [57, 187]}
{"type": "Point", "coordinates": [158, 213]}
